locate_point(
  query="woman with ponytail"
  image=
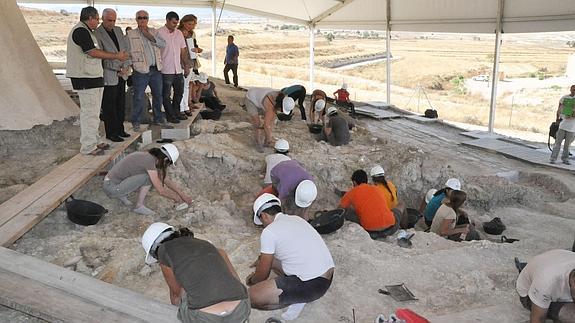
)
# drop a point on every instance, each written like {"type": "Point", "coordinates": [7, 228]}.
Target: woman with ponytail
{"type": "Point", "coordinates": [140, 170]}
{"type": "Point", "coordinates": [201, 278]}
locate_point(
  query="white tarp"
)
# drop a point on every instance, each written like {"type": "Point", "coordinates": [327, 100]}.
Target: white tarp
{"type": "Point", "coordinates": [456, 16]}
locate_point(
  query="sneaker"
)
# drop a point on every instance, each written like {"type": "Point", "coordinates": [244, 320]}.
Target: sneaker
{"type": "Point", "coordinates": [566, 162]}
{"type": "Point", "coordinates": [144, 210]}
{"type": "Point", "coordinates": [259, 148]}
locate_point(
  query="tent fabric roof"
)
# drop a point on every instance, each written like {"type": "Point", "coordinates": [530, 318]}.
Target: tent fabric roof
{"type": "Point", "coordinates": [456, 16]}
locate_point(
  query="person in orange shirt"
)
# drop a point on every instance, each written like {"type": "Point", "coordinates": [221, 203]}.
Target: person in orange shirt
{"type": "Point", "coordinates": [366, 205]}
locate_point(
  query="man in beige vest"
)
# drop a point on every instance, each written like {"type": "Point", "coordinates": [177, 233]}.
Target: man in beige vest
{"type": "Point", "coordinates": [145, 49]}
{"type": "Point", "coordinates": [84, 68]}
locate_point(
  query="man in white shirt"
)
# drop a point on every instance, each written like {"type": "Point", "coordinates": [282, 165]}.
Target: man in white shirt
{"type": "Point", "coordinates": [566, 127]}
{"type": "Point", "coordinates": [303, 265]}
{"type": "Point", "coordinates": [546, 286]}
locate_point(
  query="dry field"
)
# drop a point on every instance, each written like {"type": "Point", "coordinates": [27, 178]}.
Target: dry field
{"type": "Point", "coordinates": [274, 57]}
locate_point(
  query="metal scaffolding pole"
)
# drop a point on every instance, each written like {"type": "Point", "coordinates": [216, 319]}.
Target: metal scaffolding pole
{"type": "Point", "coordinates": [214, 38]}
{"type": "Point", "coordinates": [388, 52]}
{"type": "Point", "coordinates": [311, 56]}
{"type": "Point", "coordinates": [495, 78]}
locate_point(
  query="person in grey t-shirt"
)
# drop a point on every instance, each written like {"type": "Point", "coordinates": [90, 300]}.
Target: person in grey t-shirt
{"type": "Point", "coordinates": [336, 130]}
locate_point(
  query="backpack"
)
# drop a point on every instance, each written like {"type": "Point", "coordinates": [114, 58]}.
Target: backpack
{"type": "Point", "coordinates": [431, 113]}
{"type": "Point", "coordinates": [328, 221]}
{"type": "Point", "coordinates": [553, 128]}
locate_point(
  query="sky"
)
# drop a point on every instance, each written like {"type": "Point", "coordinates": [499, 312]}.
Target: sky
{"type": "Point", "coordinates": [155, 12]}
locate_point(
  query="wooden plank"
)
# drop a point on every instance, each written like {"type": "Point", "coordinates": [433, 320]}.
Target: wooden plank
{"type": "Point", "coordinates": [54, 192]}
{"type": "Point", "coordinates": [88, 289]}
{"type": "Point", "coordinates": [50, 304]}
{"type": "Point", "coordinates": [20, 201]}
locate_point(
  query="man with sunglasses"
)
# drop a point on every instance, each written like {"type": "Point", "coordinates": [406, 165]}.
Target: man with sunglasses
{"type": "Point", "coordinates": [84, 68]}
{"type": "Point", "coordinates": [145, 48]}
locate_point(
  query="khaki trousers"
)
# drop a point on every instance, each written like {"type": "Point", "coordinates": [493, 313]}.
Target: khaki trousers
{"type": "Point", "coordinates": [90, 103]}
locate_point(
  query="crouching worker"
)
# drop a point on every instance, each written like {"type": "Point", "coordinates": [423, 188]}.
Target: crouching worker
{"type": "Point", "coordinates": [281, 148]}
{"type": "Point", "coordinates": [295, 187]}
{"type": "Point", "coordinates": [452, 184]}
{"type": "Point", "coordinates": [304, 266]}
{"type": "Point", "coordinates": [336, 129]}
{"type": "Point", "coordinates": [366, 205]}
{"type": "Point", "coordinates": [140, 170]}
{"type": "Point", "coordinates": [201, 278]}
{"type": "Point", "coordinates": [377, 174]}
{"type": "Point", "coordinates": [546, 286]}
{"type": "Point", "coordinates": [452, 223]}
{"type": "Point", "coordinates": [266, 102]}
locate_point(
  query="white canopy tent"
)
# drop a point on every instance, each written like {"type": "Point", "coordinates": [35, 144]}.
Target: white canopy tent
{"type": "Point", "coordinates": [452, 16]}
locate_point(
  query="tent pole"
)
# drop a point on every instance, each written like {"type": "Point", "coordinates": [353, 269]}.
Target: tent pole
{"type": "Point", "coordinates": [495, 77]}
{"type": "Point", "coordinates": [311, 56]}
{"type": "Point", "coordinates": [388, 53]}
{"type": "Point", "coordinates": [214, 38]}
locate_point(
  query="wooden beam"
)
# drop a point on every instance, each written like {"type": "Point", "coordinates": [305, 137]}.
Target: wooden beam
{"type": "Point", "coordinates": [24, 210]}
{"type": "Point", "coordinates": [55, 294]}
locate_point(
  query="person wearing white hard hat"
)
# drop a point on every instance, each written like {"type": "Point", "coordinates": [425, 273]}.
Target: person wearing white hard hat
{"type": "Point", "coordinates": [366, 205]}
{"type": "Point", "coordinates": [294, 250]}
{"type": "Point", "coordinates": [438, 197]}
{"type": "Point", "coordinates": [389, 190]}
{"type": "Point", "coordinates": [140, 170]}
{"type": "Point", "coordinates": [202, 281]}
{"type": "Point", "coordinates": [281, 148]}
{"type": "Point", "coordinates": [450, 222]}
{"type": "Point", "coordinates": [317, 106]}
{"type": "Point", "coordinates": [266, 102]}
{"type": "Point", "coordinates": [297, 93]}
{"type": "Point", "coordinates": [336, 129]}
{"type": "Point", "coordinates": [295, 187]}
{"type": "Point", "coordinates": [342, 99]}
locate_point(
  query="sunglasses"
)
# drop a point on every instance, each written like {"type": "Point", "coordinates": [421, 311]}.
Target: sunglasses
{"type": "Point", "coordinates": [142, 18]}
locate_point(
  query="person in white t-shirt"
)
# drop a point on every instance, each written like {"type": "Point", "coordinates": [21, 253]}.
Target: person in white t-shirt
{"type": "Point", "coordinates": [281, 148]}
{"type": "Point", "coordinates": [303, 265]}
{"type": "Point", "coordinates": [546, 286]}
{"type": "Point", "coordinates": [566, 130]}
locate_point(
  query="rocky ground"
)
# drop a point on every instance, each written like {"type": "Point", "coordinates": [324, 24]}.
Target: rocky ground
{"type": "Point", "coordinates": [454, 282]}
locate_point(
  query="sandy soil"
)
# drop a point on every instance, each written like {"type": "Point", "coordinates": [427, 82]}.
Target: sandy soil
{"type": "Point", "coordinates": [454, 282]}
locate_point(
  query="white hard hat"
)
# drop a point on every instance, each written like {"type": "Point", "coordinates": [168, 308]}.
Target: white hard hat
{"type": "Point", "coordinates": [281, 145]}
{"type": "Point", "coordinates": [156, 231]}
{"type": "Point", "coordinates": [453, 183]}
{"type": "Point", "coordinates": [376, 171]}
{"type": "Point", "coordinates": [305, 193]}
{"type": "Point", "coordinates": [264, 202]}
{"type": "Point", "coordinates": [171, 151]}
{"type": "Point", "coordinates": [319, 105]}
{"type": "Point", "coordinates": [344, 86]}
{"type": "Point", "coordinates": [202, 78]}
{"type": "Point", "coordinates": [287, 105]}
{"type": "Point", "coordinates": [331, 110]}
{"type": "Point", "coordinates": [429, 195]}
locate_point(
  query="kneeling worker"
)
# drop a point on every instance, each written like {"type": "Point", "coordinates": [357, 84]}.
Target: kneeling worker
{"type": "Point", "coordinates": [295, 186]}
{"type": "Point", "coordinates": [201, 278]}
{"type": "Point", "coordinates": [546, 286]}
{"type": "Point", "coordinates": [336, 130]}
{"type": "Point", "coordinates": [304, 264]}
{"type": "Point", "coordinates": [366, 205]}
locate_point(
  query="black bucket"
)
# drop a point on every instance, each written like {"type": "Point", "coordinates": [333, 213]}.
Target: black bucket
{"type": "Point", "coordinates": [328, 221]}
{"type": "Point", "coordinates": [84, 212]}
{"type": "Point", "coordinates": [315, 128]}
{"type": "Point", "coordinates": [413, 216]}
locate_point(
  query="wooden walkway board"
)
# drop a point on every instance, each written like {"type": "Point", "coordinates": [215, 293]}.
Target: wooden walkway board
{"type": "Point", "coordinates": [518, 151]}
{"type": "Point", "coordinates": [55, 294]}
{"type": "Point", "coordinates": [376, 113]}
{"type": "Point", "coordinates": [24, 210]}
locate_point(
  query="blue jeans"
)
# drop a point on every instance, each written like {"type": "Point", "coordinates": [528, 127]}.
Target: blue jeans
{"type": "Point", "coordinates": [172, 106]}
{"type": "Point", "coordinates": [140, 82]}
